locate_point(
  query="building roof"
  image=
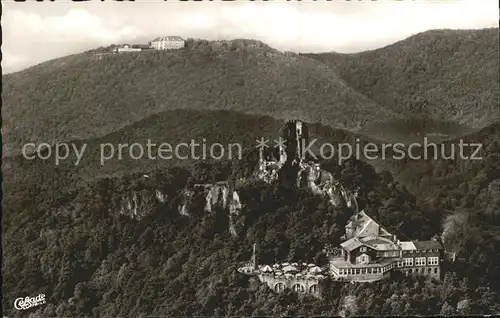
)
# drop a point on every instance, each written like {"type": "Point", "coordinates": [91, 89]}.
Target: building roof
{"type": "Point", "coordinates": [315, 270]}
{"type": "Point", "coordinates": [407, 246]}
{"type": "Point", "coordinates": [289, 268]}
{"type": "Point", "coordinates": [427, 245]}
{"type": "Point", "coordinates": [380, 243]}
{"type": "Point", "coordinates": [266, 269]}
{"type": "Point", "coordinates": [168, 38]}
{"type": "Point", "coordinates": [363, 225]}
{"type": "Point", "coordinates": [351, 244]}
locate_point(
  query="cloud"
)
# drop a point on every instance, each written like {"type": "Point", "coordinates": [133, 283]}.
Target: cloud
{"type": "Point", "coordinates": [304, 27]}
{"type": "Point", "coordinates": [29, 38]}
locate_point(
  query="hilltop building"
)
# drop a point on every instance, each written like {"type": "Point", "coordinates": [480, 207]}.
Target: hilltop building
{"type": "Point", "coordinates": [128, 48]}
{"type": "Point", "coordinates": [168, 43]}
{"type": "Point", "coordinates": [368, 254]}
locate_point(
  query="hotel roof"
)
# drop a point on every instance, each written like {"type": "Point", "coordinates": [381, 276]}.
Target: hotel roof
{"type": "Point", "coordinates": [168, 38]}
{"type": "Point", "coordinates": [351, 244]}
{"type": "Point", "coordinates": [361, 222]}
{"type": "Point", "coordinates": [380, 243]}
{"type": "Point", "coordinates": [427, 245]}
{"type": "Point", "coordinates": [407, 246]}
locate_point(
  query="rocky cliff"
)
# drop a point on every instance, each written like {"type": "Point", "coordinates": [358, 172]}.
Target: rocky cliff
{"type": "Point", "coordinates": [136, 204]}
{"type": "Point", "coordinates": [215, 196]}
{"type": "Point", "coordinates": [322, 182]}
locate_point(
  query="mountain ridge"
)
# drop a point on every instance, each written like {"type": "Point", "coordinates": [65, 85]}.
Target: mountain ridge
{"type": "Point", "coordinates": [70, 102]}
{"type": "Point", "coordinates": [61, 99]}
{"type": "Point", "coordinates": [449, 75]}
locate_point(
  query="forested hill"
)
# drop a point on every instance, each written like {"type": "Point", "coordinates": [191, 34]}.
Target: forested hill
{"type": "Point", "coordinates": [97, 262]}
{"type": "Point", "coordinates": [446, 75]}
{"type": "Point", "coordinates": [442, 75]}
{"type": "Point", "coordinates": [84, 96]}
{"type": "Point", "coordinates": [169, 127]}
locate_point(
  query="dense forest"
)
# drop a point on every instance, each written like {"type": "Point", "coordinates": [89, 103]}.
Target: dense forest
{"type": "Point", "coordinates": [444, 75]}
{"type": "Point", "coordinates": [63, 99]}
{"type": "Point", "coordinates": [100, 263]}
{"type": "Point", "coordinates": [64, 235]}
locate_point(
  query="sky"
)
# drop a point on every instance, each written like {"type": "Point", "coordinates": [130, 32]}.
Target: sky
{"type": "Point", "coordinates": [34, 32]}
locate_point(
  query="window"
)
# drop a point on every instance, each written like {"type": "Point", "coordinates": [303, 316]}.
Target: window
{"type": "Point", "coordinates": [433, 261]}
{"type": "Point", "coordinates": [435, 270]}
{"type": "Point", "coordinates": [314, 289]}
{"type": "Point", "coordinates": [386, 254]}
{"type": "Point", "coordinates": [429, 270]}
{"type": "Point", "coordinates": [299, 288]}
{"type": "Point", "coordinates": [363, 249]}
{"type": "Point", "coordinates": [419, 261]}
{"type": "Point", "coordinates": [279, 287]}
{"type": "Point", "coordinates": [400, 263]}
{"type": "Point", "coordinates": [408, 261]}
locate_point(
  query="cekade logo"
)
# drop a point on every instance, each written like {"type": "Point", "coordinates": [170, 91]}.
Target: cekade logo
{"type": "Point", "coordinates": [28, 302]}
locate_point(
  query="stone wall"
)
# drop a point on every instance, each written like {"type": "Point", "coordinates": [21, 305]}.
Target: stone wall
{"type": "Point", "coordinates": [307, 285]}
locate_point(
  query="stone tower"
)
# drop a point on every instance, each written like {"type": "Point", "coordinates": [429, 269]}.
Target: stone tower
{"type": "Point", "coordinates": [296, 135]}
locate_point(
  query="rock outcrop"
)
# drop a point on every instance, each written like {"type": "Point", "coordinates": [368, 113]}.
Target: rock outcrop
{"type": "Point", "coordinates": [222, 197]}
{"type": "Point", "coordinates": [216, 197]}
{"type": "Point", "coordinates": [322, 182]}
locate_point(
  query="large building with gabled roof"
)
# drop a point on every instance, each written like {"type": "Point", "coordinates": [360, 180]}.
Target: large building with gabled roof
{"type": "Point", "coordinates": [370, 252]}
{"type": "Point", "coordinates": [168, 43]}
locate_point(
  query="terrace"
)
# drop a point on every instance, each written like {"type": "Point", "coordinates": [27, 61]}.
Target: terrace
{"type": "Point", "coordinates": [341, 269]}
